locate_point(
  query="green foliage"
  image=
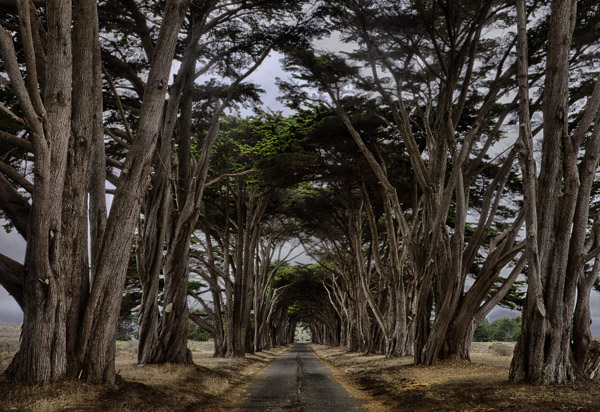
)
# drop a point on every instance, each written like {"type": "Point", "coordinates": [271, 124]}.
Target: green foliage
{"type": "Point", "coordinates": [515, 297]}
{"type": "Point", "coordinates": [196, 333]}
{"type": "Point", "coordinates": [501, 330]}
{"type": "Point", "coordinates": [306, 294]}
{"type": "Point", "coordinates": [128, 327]}
{"type": "Point", "coordinates": [267, 142]}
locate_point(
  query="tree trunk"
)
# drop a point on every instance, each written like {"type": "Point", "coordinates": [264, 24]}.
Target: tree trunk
{"type": "Point", "coordinates": [174, 323]}
{"type": "Point", "coordinates": [42, 354]}
{"type": "Point", "coordinates": [98, 332]}
{"type": "Point", "coordinates": [87, 77]}
{"type": "Point", "coordinates": [542, 354]}
{"type": "Point", "coordinates": [150, 258]}
{"type": "Point", "coordinates": [586, 352]}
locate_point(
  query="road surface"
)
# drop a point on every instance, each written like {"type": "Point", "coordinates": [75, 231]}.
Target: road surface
{"type": "Point", "coordinates": [296, 381]}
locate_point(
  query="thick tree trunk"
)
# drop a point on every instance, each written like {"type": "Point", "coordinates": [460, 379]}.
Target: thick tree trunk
{"type": "Point", "coordinates": [250, 212]}
{"type": "Point", "coordinates": [98, 332]}
{"type": "Point", "coordinates": [471, 311]}
{"type": "Point", "coordinates": [157, 229]}
{"type": "Point", "coordinates": [150, 258]}
{"type": "Point", "coordinates": [174, 323]}
{"type": "Point", "coordinates": [422, 317]}
{"type": "Point", "coordinates": [219, 335]}
{"type": "Point", "coordinates": [42, 354]}
{"type": "Point", "coordinates": [542, 354]}
{"type": "Point", "coordinates": [160, 215]}
{"type": "Point", "coordinates": [528, 358]}
{"type": "Point", "coordinates": [86, 76]}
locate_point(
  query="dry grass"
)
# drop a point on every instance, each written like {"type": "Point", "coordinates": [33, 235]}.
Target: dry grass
{"type": "Point", "coordinates": [9, 342]}
{"type": "Point", "coordinates": [168, 387]}
{"type": "Point", "coordinates": [390, 384]}
{"type": "Point", "coordinates": [455, 385]}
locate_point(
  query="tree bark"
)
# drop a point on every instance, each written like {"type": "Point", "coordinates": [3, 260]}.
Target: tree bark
{"type": "Point", "coordinates": [97, 337]}
{"type": "Point", "coordinates": [150, 258]}
{"type": "Point", "coordinates": [555, 238]}
{"type": "Point", "coordinates": [42, 355]}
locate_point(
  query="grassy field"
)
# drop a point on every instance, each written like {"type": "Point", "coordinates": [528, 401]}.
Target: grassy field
{"type": "Point", "coordinates": [9, 342]}
{"type": "Point", "coordinates": [200, 387]}
{"type": "Point", "coordinates": [385, 384]}
{"type": "Point", "coordinates": [453, 385]}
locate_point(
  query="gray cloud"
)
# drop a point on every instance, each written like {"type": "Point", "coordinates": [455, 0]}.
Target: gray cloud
{"type": "Point", "coordinates": [266, 76]}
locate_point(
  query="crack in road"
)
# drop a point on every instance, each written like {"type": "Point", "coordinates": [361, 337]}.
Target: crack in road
{"type": "Point", "coordinates": [299, 379]}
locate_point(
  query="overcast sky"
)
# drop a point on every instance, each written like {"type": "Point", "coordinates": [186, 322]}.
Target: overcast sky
{"type": "Point", "coordinates": [13, 245]}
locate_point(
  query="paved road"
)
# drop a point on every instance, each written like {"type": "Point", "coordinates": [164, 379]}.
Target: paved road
{"type": "Point", "coordinates": [297, 381]}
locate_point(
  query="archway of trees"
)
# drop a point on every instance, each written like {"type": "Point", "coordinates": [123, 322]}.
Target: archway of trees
{"type": "Point", "coordinates": [441, 161]}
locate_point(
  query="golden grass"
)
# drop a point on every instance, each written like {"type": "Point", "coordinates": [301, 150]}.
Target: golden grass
{"type": "Point", "coordinates": [9, 343]}
{"type": "Point", "coordinates": [392, 384]}
{"type": "Point", "coordinates": [454, 384]}
{"type": "Point", "coordinates": [167, 387]}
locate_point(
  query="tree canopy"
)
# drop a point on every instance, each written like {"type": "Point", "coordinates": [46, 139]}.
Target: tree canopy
{"type": "Point", "coordinates": [436, 160]}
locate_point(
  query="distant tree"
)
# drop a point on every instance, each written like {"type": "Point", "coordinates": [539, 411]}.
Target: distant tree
{"type": "Point", "coordinates": [242, 234]}
{"type": "Point", "coordinates": [197, 333]}
{"type": "Point", "coordinates": [482, 332]}
{"type": "Point", "coordinates": [503, 330]}
{"type": "Point", "coordinates": [128, 327]}
{"type": "Point", "coordinates": [437, 93]}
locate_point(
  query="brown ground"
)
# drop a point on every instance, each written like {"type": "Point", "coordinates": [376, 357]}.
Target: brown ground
{"type": "Point", "coordinates": [149, 388]}
{"type": "Point", "coordinates": [454, 385]}
{"type": "Point", "coordinates": [385, 384]}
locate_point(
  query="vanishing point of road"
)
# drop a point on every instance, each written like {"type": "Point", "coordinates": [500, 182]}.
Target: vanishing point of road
{"type": "Point", "coordinates": [297, 381]}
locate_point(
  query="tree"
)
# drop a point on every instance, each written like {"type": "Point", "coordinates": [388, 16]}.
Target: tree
{"type": "Point", "coordinates": [504, 330]}
{"type": "Point", "coordinates": [65, 330]}
{"type": "Point", "coordinates": [342, 216]}
{"type": "Point", "coordinates": [446, 135]}
{"type": "Point", "coordinates": [230, 39]}
{"type": "Point", "coordinates": [556, 238]}
{"type": "Point", "coordinates": [242, 235]}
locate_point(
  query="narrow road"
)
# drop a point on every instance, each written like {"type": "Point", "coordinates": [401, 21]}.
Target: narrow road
{"type": "Point", "coordinates": [296, 381]}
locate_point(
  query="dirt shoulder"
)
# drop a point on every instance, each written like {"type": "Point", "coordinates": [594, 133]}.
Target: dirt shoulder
{"type": "Point", "coordinates": [454, 385]}
{"type": "Point", "coordinates": [170, 387]}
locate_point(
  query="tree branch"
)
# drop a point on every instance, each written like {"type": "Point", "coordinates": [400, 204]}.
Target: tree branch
{"type": "Point", "coordinates": [119, 105]}
{"type": "Point", "coordinates": [14, 205]}
{"type": "Point", "coordinates": [16, 141]}
{"type": "Point", "coordinates": [11, 65]}
{"type": "Point", "coordinates": [12, 277]}
{"type": "Point", "coordinates": [226, 175]}
{"type": "Point", "coordinates": [11, 114]}
{"type": "Point", "coordinates": [197, 319]}
{"type": "Point", "coordinates": [16, 176]}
